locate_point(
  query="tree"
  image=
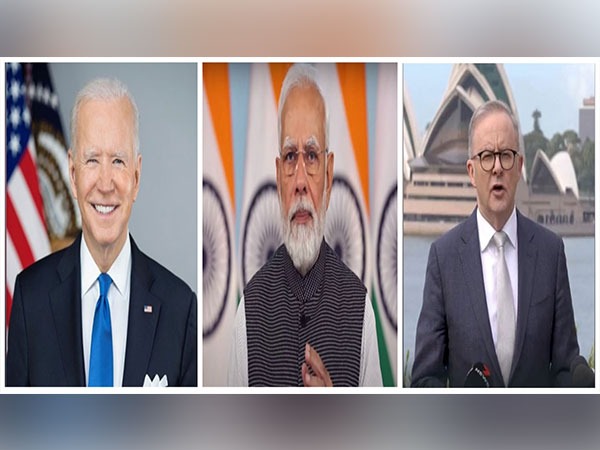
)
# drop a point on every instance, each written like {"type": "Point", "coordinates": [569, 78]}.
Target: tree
{"type": "Point", "coordinates": [585, 175]}
{"type": "Point", "coordinates": [572, 141]}
{"type": "Point", "coordinates": [582, 155]}
{"type": "Point", "coordinates": [557, 144]}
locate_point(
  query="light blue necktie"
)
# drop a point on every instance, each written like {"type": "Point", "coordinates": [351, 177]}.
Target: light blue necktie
{"type": "Point", "coordinates": [101, 354]}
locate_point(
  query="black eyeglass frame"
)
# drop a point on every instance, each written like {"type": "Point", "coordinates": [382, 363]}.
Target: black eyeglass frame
{"type": "Point", "coordinates": [499, 155]}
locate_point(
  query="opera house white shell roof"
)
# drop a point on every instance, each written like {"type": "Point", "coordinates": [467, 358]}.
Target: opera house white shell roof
{"type": "Point", "coordinates": [553, 176]}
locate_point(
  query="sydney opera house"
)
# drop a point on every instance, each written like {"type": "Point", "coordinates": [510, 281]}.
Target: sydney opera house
{"type": "Point", "coordinates": [437, 190]}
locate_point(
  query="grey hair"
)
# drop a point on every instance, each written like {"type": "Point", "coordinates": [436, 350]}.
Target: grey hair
{"type": "Point", "coordinates": [104, 89]}
{"type": "Point", "coordinates": [300, 75]}
{"type": "Point", "coordinates": [491, 106]}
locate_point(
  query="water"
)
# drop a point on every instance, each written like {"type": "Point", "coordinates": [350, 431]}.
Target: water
{"type": "Point", "coordinates": [580, 264]}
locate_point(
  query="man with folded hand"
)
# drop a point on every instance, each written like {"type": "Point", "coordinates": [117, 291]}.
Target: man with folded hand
{"type": "Point", "coordinates": [305, 318]}
{"type": "Point", "coordinates": [101, 312]}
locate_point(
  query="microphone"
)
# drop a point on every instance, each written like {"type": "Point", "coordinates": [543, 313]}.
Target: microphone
{"type": "Point", "coordinates": [581, 374]}
{"type": "Point", "coordinates": [478, 376]}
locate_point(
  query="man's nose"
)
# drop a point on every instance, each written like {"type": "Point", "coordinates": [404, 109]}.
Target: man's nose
{"type": "Point", "coordinates": [497, 164]}
{"type": "Point", "coordinates": [105, 179]}
{"type": "Point", "coordinates": [301, 175]}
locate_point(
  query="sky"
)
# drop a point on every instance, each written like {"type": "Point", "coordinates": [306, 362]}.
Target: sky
{"type": "Point", "coordinates": [557, 90]}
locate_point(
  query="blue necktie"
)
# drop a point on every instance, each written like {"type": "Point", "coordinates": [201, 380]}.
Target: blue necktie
{"type": "Point", "coordinates": [101, 354]}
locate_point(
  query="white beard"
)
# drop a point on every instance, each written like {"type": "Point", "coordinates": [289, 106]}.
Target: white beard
{"type": "Point", "coordinates": [303, 241]}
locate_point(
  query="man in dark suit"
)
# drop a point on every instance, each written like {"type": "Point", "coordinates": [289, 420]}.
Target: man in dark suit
{"type": "Point", "coordinates": [496, 289]}
{"type": "Point", "coordinates": [100, 312]}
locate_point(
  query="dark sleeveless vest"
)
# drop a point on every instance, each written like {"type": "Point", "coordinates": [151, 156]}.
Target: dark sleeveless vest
{"type": "Point", "coordinates": [284, 311]}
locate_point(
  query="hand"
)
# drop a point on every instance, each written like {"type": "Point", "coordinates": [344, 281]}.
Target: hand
{"type": "Point", "coordinates": [314, 372]}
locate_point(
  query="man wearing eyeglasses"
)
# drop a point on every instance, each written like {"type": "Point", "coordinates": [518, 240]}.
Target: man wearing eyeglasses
{"type": "Point", "coordinates": [305, 318]}
{"type": "Point", "coordinates": [496, 303]}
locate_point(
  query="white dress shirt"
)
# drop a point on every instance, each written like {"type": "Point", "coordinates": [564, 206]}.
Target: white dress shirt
{"type": "Point", "coordinates": [490, 260]}
{"type": "Point", "coordinates": [370, 372]}
{"type": "Point", "coordinates": [118, 299]}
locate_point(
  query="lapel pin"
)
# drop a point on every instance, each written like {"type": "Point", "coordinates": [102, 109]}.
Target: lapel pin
{"type": "Point", "coordinates": [148, 309]}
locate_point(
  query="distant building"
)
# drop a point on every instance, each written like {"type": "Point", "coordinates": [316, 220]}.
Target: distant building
{"type": "Point", "coordinates": [437, 190]}
{"type": "Point", "coordinates": [586, 119]}
{"type": "Point", "coordinates": [412, 141]}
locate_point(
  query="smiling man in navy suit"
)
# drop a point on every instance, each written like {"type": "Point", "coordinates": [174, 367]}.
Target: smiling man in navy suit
{"type": "Point", "coordinates": [101, 312]}
{"type": "Point", "coordinates": [496, 289]}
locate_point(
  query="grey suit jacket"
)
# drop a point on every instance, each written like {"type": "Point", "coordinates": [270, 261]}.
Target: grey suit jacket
{"type": "Point", "coordinates": [44, 338]}
{"type": "Point", "coordinates": [454, 332]}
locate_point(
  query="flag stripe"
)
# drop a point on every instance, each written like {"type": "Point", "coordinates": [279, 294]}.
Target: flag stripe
{"type": "Point", "coordinates": [11, 274]}
{"type": "Point", "coordinates": [353, 86]}
{"type": "Point", "coordinates": [28, 216]}
{"type": "Point", "coordinates": [278, 72]}
{"type": "Point", "coordinates": [29, 172]}
{"type": "Point", "coordinates": [17, 235]}
{"type": "Point", "coordinates": [12, 270]}
{"type": "Point", "coordinates": [385, 364]}
{"type": "Point", "coordinates": [216, 84]}
{"type": "Point", "coordinates": [8, 305]}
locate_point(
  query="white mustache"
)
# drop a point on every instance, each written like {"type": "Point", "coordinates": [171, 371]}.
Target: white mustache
{"type": "Point", "coordinates": [302, 204]}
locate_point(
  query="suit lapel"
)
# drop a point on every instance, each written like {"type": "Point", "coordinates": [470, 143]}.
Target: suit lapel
{"type": "Point", "coordinates": [65, 303]}
{"type": "Point", "coordinates": [470, 257]}
{"type": "Point", "coordinates": [142, 323]}
{"type": "Point", "coordinates": [527, 255]}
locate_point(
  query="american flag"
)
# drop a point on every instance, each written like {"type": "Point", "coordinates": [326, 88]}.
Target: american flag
{"type": "Point", "coordinates": [26, 235]}
{"type": "Point", "coordinates": [62, 213]}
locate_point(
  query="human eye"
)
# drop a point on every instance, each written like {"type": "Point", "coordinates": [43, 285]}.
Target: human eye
{"type": "Point", "coordinates": [486, 156]}
{"type": "Point", "coordinates": [507, 155]}
{"type": "Point", "coordinates": [118, 162]}
{"type": "Point", "coordinates": [290, 156]}
{"type": "Point", "coordinates": [312, 156]}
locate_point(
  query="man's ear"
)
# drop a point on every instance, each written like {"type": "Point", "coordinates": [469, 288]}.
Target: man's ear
{"type": "Point", "coordinates": [278, 174]}
{"type": "Point", "coordinates": [329, 175]}
{"type": "Point", "coordinates": [521, 161]}
{"type": "Point", "coordinates": [471, 172]}
{"type": "Point", "coordinates": [137, 175]}
{"type": "Point", "coordinates": [72, 173]}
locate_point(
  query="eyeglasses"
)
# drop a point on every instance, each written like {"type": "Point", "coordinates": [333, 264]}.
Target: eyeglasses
{"type": "Point", "coordinates": [312, 161]}
{"type": "Point", "coordinates": [487, 159]}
